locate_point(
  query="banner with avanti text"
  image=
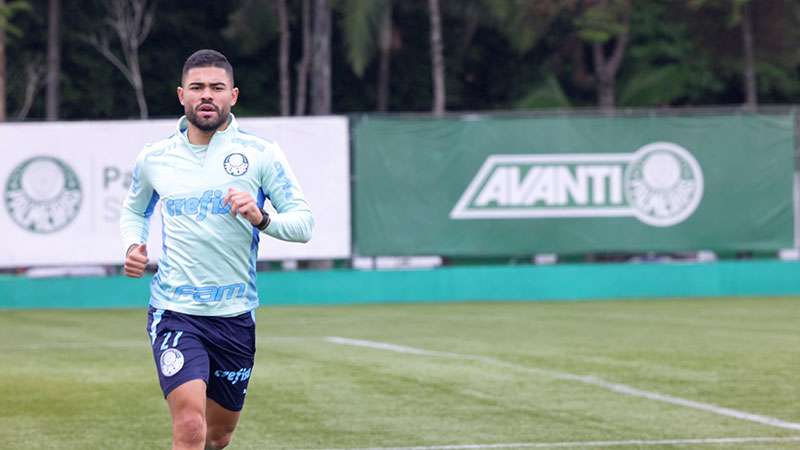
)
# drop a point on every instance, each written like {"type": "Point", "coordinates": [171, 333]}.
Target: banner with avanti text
{"type": "Point", "coordinates": [499, 186]}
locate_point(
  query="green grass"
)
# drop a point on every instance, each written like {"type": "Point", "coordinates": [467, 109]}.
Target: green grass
{"type": "Point", "coordinates": [85, 379]}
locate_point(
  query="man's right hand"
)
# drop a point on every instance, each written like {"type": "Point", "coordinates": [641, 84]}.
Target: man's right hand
{"type": "Point", "coordinates": [136, 261]}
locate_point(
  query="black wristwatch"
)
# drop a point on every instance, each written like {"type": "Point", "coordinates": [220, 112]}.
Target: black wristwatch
{"type": "Point", "coordinates": [264, 220]}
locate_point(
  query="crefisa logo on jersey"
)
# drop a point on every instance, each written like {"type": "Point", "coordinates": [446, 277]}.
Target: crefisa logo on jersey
{"type": "Point", "coordinates": [661, 184]}
{"type": "Point", "coordinates": [43, 194]}
{"type": "Point", "coordinates": [236, 164]}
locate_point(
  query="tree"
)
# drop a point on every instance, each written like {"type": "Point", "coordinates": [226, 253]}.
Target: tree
{"type": "Point", "coordinates": [7, 11]}
{"type": "Point", "coordinates": [738, 14]}
{"type": "Point", "coordinates": [367, 27]}
{"type": "Point", "coordinates": [664, 66]}
{"type": "Point", "coordinates": [35, 73]}
{"type": "Point", "coordinates": [524, 24]}
{"type": "Point", "coordinates": [386, 43]}
{"type": "Point", "coordinates": [753, 42]}
{"type": "Point", "coordinates": [3, 76]}
{"type": "Point", "coordinates": [283, 56]}
{"type": "Point", "coordinates": [305, 61]}
{"type": "Point", "coordinates": [53, 82]}
{"type": "Point", "coordinates": [605, 26]}
{"type": "Point", "coordinates": [437, 58]}
{"type": "Point", "coordinates": [751, 92]}
{"type": "Point", "coordinates": [253, 27]}
{"type": "Point", "coordinates": [131, 22]}
{"type": "Point", "coordinates": [321, 59]}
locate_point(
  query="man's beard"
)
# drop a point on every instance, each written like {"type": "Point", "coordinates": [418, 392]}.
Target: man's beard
{"type": "Point", "coordinates": [206, 125]}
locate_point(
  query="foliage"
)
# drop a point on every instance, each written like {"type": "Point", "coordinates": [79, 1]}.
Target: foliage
{"type": "Point", "coordinates": [524, 22]}
{"type": "Point", "coordinates": [7, 13]}
{"type": "Point", "coordinates": [252, 25]}
{"type": "Point", "coordinates": [360, 25]}
{"type": "Point", "coordinates": [547, 94]}
{"type": "Point", "coordinates": [602, 21]}
{"type": "Point", "coordinates": [664, 65]}
{"type": "Point", "coordinates": [499, 54]}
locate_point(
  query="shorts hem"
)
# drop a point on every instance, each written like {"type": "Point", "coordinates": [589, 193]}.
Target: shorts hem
{"type": "Point", "coordinates": [172, 387]}
{"type": "Point", "coordinates": [224, 404]}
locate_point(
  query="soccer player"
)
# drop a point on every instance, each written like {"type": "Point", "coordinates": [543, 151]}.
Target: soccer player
{"type": "Point", "coordinates": [212, 180]}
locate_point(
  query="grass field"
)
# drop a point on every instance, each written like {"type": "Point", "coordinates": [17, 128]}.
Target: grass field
{"type": "Point", "coordinates": [711, 373]}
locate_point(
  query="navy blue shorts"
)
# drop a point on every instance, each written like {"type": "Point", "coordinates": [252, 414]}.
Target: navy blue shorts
{"type": "Point", "coordinates": [217, 350]}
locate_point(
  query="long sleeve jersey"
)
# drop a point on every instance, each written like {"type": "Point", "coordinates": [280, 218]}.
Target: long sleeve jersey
{"type": "Point", "coordinates": [208, 262]}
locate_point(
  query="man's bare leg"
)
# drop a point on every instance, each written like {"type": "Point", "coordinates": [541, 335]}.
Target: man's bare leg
{"type": "Point", "coordinates": [187, 404]}
{"type": "Point", "coordinates": [220, 425]}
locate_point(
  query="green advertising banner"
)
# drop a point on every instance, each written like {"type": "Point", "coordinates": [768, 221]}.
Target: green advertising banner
{"type": "Point", "coordinates": [507, 186]}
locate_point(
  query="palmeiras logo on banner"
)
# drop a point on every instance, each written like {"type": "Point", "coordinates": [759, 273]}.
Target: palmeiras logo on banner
{"type": "Point", "coordinates": [661, 184]}
{"type": "Point", "coordinates": [43, 194]}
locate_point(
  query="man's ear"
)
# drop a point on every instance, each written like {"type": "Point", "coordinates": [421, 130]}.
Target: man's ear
{"type": "Point", "coordinates": [234, 95]}
{"type": "Point", "coordinates": [180, 94]}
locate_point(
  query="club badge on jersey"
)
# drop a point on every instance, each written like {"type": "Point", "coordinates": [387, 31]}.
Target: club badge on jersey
{"type": "Point", "coordinates": [236, 164]}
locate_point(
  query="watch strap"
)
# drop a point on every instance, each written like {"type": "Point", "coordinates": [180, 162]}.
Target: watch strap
{"type": "Point", "coordinates": [265, 220]}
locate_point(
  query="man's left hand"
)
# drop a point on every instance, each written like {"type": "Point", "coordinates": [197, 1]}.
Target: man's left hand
{"type": "Point", "coordinates": [244, 204]}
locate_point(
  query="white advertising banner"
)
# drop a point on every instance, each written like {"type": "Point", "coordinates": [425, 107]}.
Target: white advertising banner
{"type": "Point", "coordinates": [63, 185]}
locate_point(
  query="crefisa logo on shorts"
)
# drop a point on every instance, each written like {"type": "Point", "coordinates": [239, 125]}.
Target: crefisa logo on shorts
{"type": "Point", "coordinates": [43, 194]}
{"type": "Point", "coordinates": [661, 184]}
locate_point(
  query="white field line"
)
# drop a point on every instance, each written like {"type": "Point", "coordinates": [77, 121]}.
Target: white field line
{"type": "Point", "coordinates": [585, 379]}
{"type": "Point", "coordinates": [600, 444]}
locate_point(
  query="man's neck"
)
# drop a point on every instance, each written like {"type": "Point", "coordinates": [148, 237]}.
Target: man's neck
{"type": "Point", "coordinates": [197, 136]}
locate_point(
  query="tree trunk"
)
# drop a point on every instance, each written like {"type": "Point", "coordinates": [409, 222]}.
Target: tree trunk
{"type": "Point", "coordinates": [305, 61]}
{"type": "Point", "coordinates": [437, 58]}
{"type": "Point", "coordinates": [283, 58]}
{"type": "Point", "coordinates": [384, 73]}
{"type": "Point", "coordinates": [34, 72]}
{"type": "Point", "coordinates": [606, 67]}
{"type": "Point", "coordinates": [2, 70]}
{"type": "Point", "coordinates": [53, 59]}
{"type": "Point", "coordinates": [606, 93]}
{"type": "Point", "coordinates": [750, 89]}
{"type": "Point", "coordinates": [138, 86]}
{"type": "Point", "coordinates": [321, 59]}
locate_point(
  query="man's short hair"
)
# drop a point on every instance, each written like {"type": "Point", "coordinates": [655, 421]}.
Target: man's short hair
{"type": "Point", "coordinates": [207, 58]}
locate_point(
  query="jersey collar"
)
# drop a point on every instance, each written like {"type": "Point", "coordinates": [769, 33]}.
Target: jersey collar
{"type": "Point", "coordinates": [233, 126]}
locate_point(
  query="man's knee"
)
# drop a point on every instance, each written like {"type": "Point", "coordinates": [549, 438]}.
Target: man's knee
{"type": "Point", "coordinates": [219, 442]}
{"type": "Point", "coordinates": [218, 437]}
{"type": "Point", "coordinates": [189, 428]}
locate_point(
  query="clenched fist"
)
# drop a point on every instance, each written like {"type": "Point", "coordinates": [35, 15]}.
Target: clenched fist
{"type": "Point", "coordinates": [136, 261]}
{"type": "Point", "coordinates": [244, 204]}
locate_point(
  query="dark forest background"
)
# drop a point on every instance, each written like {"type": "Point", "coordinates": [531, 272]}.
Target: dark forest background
{"type": "Point", "coordinates": [93, 59]}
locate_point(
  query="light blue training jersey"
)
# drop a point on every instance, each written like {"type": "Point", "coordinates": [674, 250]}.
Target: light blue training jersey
{"type": "Point", "coordinates": [208, 264]}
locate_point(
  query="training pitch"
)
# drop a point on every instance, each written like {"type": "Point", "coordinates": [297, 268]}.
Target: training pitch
{"type": "Point", "coordinates": [701, 373]}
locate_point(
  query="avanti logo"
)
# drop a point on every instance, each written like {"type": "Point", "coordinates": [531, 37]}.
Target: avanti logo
{"type": "Point", "coordinates": [43, 194]}
{"type": "Point", "coordinates": [661, 184]}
